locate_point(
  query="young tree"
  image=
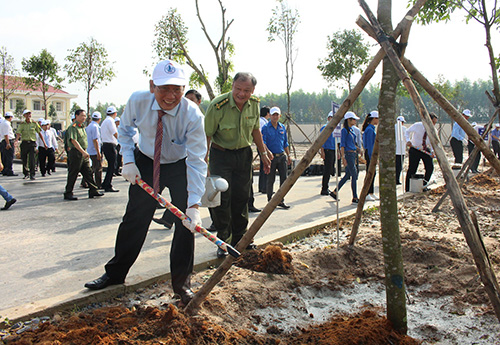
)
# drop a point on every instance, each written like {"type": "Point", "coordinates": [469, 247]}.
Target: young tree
{"type": "Point", "coordinates": [42, 70]}
{"type": "Point", "coordinates": [10, 79]}
{"type": "Point", "coordinates": [89, 65]}
{"type": "Point", "coordinates": [52, 112]}
{"type": "Point", "coordinates": [20, 106]}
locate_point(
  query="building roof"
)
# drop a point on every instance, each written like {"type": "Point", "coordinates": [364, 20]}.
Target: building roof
{"type": "Point", "coordinates": [19, 85]}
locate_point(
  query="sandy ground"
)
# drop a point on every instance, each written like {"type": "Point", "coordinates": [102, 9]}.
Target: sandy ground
{"type": "Point", "coordinates": [313, 292]}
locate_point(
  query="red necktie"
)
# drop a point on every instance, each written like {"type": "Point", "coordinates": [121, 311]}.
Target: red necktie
{"type": "Point", "coordinates": [424, 141]}
{"type": "Point", "coordinates": [157, 154]}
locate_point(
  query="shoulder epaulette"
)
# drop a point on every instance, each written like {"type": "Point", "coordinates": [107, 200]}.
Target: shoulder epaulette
{"type": "Point", "coordinates": [74, 124]}
{"type": "Point", "coordinates": [254, 98]}
{"type": "Point", "coordinates": [222, 103]}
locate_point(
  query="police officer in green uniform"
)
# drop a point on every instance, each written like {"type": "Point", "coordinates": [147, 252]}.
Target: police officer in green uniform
{"type": "Point", "coordinates": [27, 131]}
{"type": "Point", "coordinates": [78, 158]}
{"type": "Point", "coordinates": [231, 125]}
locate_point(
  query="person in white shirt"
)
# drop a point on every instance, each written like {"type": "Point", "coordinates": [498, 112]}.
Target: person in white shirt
{"type": "Point", "coordinates": [7, 144]}
{"type": "Point", "coordinates": [109, 135]}
{"type": "Point", "coordinates": [183, 171]}
{"type": "Point", "coordinates": [45, 151]}
{"type": "Point", "coordinates": [94, 147]}
{"type": "Point", "coordinates": [400, 147]}
{"type": "Point", "coordinates": [420, 149]}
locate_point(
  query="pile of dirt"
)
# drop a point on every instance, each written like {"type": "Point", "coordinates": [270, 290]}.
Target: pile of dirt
{"type": "Point", "coordinates": [272, 260]}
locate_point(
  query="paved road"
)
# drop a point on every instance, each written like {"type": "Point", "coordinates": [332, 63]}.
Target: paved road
{"type": "Point", "coordinates": [51, 247]}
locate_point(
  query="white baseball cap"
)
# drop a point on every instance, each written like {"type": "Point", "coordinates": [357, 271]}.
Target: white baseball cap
{"type": "Point", "coordinates": [26, 111]}
{"type": "Point", "coordinates": [43, 123]}
{"type": "Point", "coordinates": [467, 113]}
{"type": "Point", "coordinates": [474, 124]}
{"type": "Point", "coordinates": [330, 114]}
{"type": "Point", "coordinates": [111, 110]}
{"type": "Point", "coordinates": [350, 115]}
{"type": "Point", "coordinates": [496, 124]}
{"type": "Point", "coordinates": [168, 72]}
{"type": "Point", "coordinates": [41, 119]}
{"type": "Point", "coordinates": [9, 114]}
{"type": "Point", "coordinates": [96, 115]}
{"type": "Point", "coordinates": [401, 118]}
{"type": "Point", "coordinates": [374, 114]}
{"type": "Point", "coordinates": [275, 110]}
{"type": "Point", "coordinates": [117, 119]}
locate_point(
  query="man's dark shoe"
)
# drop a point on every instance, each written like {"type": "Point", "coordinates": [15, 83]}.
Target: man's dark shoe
{"type": "Point", "coordinates": [70, 197]}
{"type": "Point", "coordinates": [283, 205]}
{"type": "Point", "coordinates": [253, 209]}
{"type": "Point", "coordinates": [211, 228]}
{"type": "Point", "coordinates": [221, 253]}
{"type": "Point", "coordinates": [10, 174]}
{"type": "Point", "coordinates": [334, 195]}
{"type": "Point", "coordinates": [163, 222]}
{"type": "Point", "coordinates": [110, 190]}
{"type": "Point", "coordinates": [32, 178]}
{"type": "Point", "coordinates": [9, 204]}
{"type": "Point", "coordinates": [102, 282]}
{"type": "Point", "coordinates": [325, 192]}
{"type": "Point", "coordinates": [84, 185]}
{"type": "Point", "coordinates": [94, 194]}
{"type": "Point", "coordinates": [186, 296]}
{"type": "Point", "coordinates": [355, 200]}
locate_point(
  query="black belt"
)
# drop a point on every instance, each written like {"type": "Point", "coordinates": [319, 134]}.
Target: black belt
{"type": "Point", "coordinates": [330, 150]}
{"type": "Point", "coordinates": [220, 148]}
{"type": "Point", "coordinates": [278, 154]}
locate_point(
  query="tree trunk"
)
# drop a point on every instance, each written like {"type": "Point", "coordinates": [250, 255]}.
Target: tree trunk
{"type": "Point", "coordinates": [393, 256]}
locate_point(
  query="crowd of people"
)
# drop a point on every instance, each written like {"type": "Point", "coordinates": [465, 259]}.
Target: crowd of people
{"type": "Point", "coordinates": [164, 138]}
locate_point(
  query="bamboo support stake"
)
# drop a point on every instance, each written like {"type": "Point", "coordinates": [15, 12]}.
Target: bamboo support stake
{"type": "Point", "coordinates": [301, 166]}
{"type": "Point", "coordinates": [370, 174]}
{"type": "Point", "coordinates": [470, 231]}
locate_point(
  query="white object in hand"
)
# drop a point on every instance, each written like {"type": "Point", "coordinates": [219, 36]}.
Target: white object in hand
{"type": "Point", "coordinates": [130, 172]}
{"type": "Point", "coordinates": [220, 185]}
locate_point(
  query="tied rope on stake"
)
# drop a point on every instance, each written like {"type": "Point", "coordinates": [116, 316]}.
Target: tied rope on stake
{"type": "Point", "coordinates": [164, 202]}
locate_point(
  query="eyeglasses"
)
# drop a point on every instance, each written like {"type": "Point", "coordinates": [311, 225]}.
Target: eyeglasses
{"type": "Point", "coordinates": [176, 90]}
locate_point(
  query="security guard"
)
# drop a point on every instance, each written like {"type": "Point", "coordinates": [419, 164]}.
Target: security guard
{"type": "Point", "coordinates": [231, 125]}
{"type": "Point", "coordinates": [78, 158]}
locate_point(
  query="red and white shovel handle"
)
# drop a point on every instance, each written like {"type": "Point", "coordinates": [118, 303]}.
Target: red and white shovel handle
{"type": "Point", "coordinates": [178, 213]}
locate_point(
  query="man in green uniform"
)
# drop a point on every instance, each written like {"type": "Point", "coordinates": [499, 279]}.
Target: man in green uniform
{"type": "Point", "coordinates": [28, 131]}
{"type": "Point", "coordinates": [231, 125]}
{"type": "Point", "coordinates": [78, 158]}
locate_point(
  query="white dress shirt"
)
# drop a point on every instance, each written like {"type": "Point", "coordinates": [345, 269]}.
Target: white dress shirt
{"type": "Point", "coordinates": [416, 132]}
{"type": "Point", "coordinates": [108, 130]}
{"type": "Point", "coordinates": [183, 136]}
{"type": "Point", "coordinates": [400, 140]}
{"type": "Point", "coordinates": [93, 132]}
{"type": "Point", "coordinates": [6, 129]}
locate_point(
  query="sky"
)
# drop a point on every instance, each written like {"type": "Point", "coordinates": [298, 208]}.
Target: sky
{"type": "Point", "coordinates": [126, 29]}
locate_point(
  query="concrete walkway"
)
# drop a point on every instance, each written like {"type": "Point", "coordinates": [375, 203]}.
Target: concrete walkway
{"type": "Point", "coordinates": [51, 247]}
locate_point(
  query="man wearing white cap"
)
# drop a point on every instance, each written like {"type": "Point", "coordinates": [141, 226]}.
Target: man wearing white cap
{"type": "Point", "coordinates": [457, 138]}
{"type": "Point", "coordinates": [400, 147]}
{"type": "Point", "coordinates": [495, 140]}
{"type": "Point", "coordinates": [45, 152]}
{"type": "Point", "coordinates": [94, 147]}
{"type": "Point", "coordinates": [28, 132]}
{"type": "Point", "coordinates": [275, 138]}
{"type": "Point", "coordinates": [7, 144]}
{"type": "Point", "coordinates": [231, 125]}
{"type": "Point", "coordinates": [109, 136]}
{"type": "Point", "coordinates": [174, 126]}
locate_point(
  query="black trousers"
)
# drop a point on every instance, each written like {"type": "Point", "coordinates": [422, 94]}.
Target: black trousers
{"type": "Point", "coordinates": [28, 157]}
{"type": "Point", "coordinates": [414, 158]}
{"type": "Point", "coordinates": [46, 159]}
{"type": "Point", "coordinates": [458, 150]}
{"type": "Point", "coordinates": [231, 217]}
{"type": "Point", "coordinates": [399, 167]}
{"type": "Point", "coordinates": [329, 168]}
{"type": "Point", "coordinates": [496, 148]}
{"type": "Point", "coordinates": [278, 163]}
{"type": "Point", "coordinates": [7, 157]}
{"type": "Point", "coordinates": [138, 214]}
{"type": "Point", "coordinates": [367, 158]}
{"type": "Point", "coordinates": [109, 150]}
{"type": "Point", "coordinates": [475, 163]}
{"type": "Point", "coordinates": [262, 179]}
{"type": "Point", "coordinates": [97, 170]}
{"type": "Point", "coordinates": [78, 164]}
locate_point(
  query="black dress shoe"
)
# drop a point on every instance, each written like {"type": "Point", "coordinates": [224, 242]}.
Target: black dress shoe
{"type": "Point", "coordinates": [70, 197]}
{"type": "Point", "coordinates": [163, 222]}
{"type": "Point", "coordinates": [334, 195]}
{"type": "Point", "coordinates": [221, 253]}
{"type": "Point", "coordinates": [9, 204]}
{"type": "Point", "coordinates": [32, 178]}
{"type": "Point", "coordinates": [102, 282]}
{"type": "Point", "coordinates": [283, 205]}
{"type": "Point", "coordinates": [11, 174]}
{"type": "Point", "coordinates": [186, 296]}
{"type": "Point", "coordinates": [110, 190]}
{"type": "Point", "coordinates": [94, 194]}
{"type": "Point", "coordinates": [325, 192]}
{"type": "Point", "coordinates": [253, 209]}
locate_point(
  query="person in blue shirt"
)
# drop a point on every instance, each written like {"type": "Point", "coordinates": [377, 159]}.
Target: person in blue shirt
{"type": "Point", "coordinates": [328, 154]}
{"type": "Point", "coordinates": [457, 139]}
{"type": "Point", "coordinates": [369, 134]}
{"type": "Point", "coordinates": [348, 151]}
{"type": "Point", "coordinates": [275, 138]}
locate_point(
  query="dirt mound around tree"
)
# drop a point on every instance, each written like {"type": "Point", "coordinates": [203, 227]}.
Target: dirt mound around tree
{"type": "Point", "coordinates": [271, 259]}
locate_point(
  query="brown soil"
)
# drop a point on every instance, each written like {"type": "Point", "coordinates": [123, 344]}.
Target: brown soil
{"type": "Point", "coordinates": [437, 263]}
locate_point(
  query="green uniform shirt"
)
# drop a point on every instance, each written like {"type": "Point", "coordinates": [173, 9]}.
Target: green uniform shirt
{"type": "Point", "coordinates": [78, 133]}
{"type": "Point", "coordinates": [28, 131]}
{"type": "Point", "coordinates": [228, 126]}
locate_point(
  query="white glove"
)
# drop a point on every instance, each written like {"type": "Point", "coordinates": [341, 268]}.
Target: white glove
{"type": "Point", "coordinates": [193, 214]}
{"type": "Point", "coordinates": [130, 172]}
